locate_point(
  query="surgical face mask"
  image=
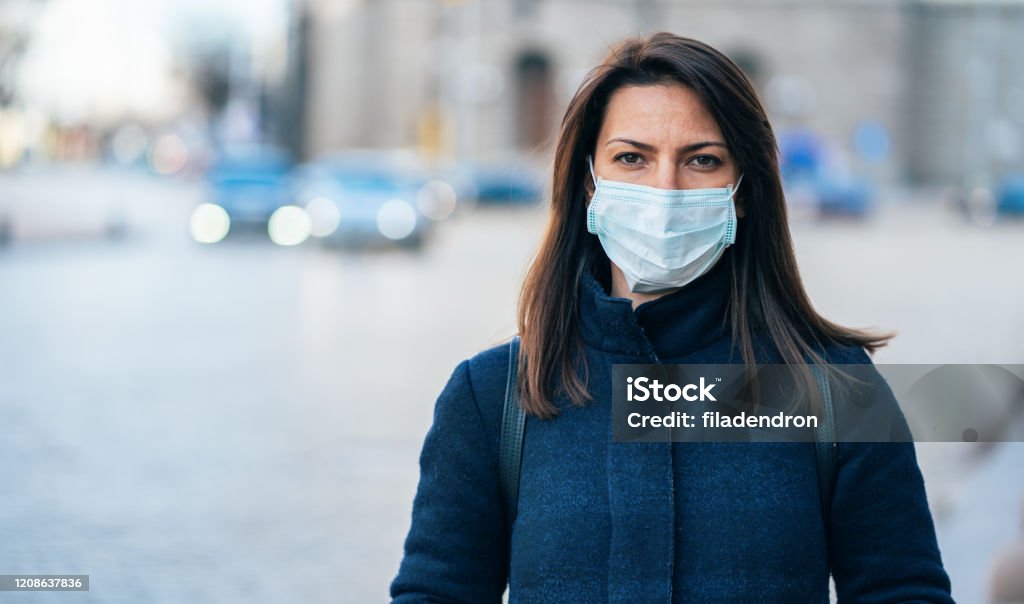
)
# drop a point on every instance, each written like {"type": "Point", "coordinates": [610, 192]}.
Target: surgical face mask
{"type": "Point", "coordinates": [661, 239]}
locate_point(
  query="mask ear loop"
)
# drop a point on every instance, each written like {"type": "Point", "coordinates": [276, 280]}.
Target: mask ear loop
{"type": "Point", "coordinates": [731, 235]}
{"type": "Point", "coordinates": [591, 219]}
{"type": "Point", "coordinates": [737, 185]}
{"type": "Point", "coordinates": [590, 162]}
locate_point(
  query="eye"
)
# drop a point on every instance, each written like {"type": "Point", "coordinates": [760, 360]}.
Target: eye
{"type": "Point", "coordinates": [706, 161]}
{"type": "Point", "coordinates": [629, 159]}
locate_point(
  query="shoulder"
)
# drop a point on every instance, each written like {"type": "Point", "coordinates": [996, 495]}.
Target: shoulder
{"type": "Point", "coordinates": [483, 375]}
{"type": "Point", "coordinates": [469, 408]}
{"type": "Point", "coordinates": [488, 375]}
{"type": "Point", "coordinates": [845, 354]}
{"type": "Point", "coordinates": [473, 399]}
{"type": "Point", "coordinates": [867, 408]}
{"type": "Point", "coordinates": [832, 351]}
{"type": "Point", "coordinates": [488, 370]}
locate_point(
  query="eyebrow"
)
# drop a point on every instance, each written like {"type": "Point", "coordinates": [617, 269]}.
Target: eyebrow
{"type": "Point", "coordinates": [685, 149]}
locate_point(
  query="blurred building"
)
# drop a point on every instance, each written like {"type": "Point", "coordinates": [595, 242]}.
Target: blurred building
{"type": "Point", "coordinates": [964, 100]}
{"type": "Point", "coordinates": [935, 81]}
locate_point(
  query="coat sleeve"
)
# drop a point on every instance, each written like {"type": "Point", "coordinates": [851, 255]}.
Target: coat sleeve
{"type": "Point", "coordinates": [456, 547]}
{"type": "Point", "coordinates": [883, 547]}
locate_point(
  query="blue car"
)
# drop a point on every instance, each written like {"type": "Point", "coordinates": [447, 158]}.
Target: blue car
{"type": "Point", "coordinates": [1010, 196]}
{"type": "Point", "coordinates": [366, 198]}
{"type": "Point", "coordinates": [844, 197]}
{"type": "Point", "coordinates": [245, 186]}
{"type": "Point", "coordinates": [816, 180]}
{"type": "Point", "coordinates": [250, 183]}
{"type": "Point", "coordinates": [511, 183]}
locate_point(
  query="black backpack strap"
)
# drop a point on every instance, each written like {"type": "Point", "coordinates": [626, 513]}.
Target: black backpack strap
{"type": "Point", "coordinates": [510, 451]}
{"type": "Point", "coordinates": [825, 446]}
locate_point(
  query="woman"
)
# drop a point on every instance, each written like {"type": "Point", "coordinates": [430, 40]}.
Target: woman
{"type": "Point", "coordinates": [668, 243]}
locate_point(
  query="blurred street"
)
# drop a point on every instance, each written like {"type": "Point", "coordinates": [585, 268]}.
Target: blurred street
{"type": "Point", "coordinates": [238, 422]}
{"type": "Point", "coordinates": [242, 421]}
{"type": "Point", "coordinates": [244, 244]}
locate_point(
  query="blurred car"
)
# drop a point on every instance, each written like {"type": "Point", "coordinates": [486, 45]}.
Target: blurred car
{"type": "Point", "coordinates": [826, 196]}
{"type": "Point", "coordinates": [250, 183]}
{"type": "Point", "coordinates": [817, 180]}
{"type": "Point", "coordinates": [247, 184]}
{"type": "Point", "coordinates": [1010, 195]}
{"type": "Point", "coordinates": [510, 183]}
{"type": "Point", "coordinates": [362, 198]}
{"type": "Point", "coordinates": [843, 197]}
{"type": "Point", "coordinates": [985, 205]}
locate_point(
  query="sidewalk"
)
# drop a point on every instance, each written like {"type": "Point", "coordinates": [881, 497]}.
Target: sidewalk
{"type": "Point", "coordinates": [986, 521]}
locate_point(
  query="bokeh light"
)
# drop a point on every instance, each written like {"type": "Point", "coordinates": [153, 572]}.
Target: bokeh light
{"type": "Point", "coordinates": [168, 155]}
{"type": "Point", "coordinates": [289, 225]}
{"type": "Point", "coordinates": [436, 200]}
{"type": "Point", "coordinates": [396, 219]}
{"type": "Point", "coordinates": [324, 215]}
{"type": "Point", "coordinates": [209, 223]}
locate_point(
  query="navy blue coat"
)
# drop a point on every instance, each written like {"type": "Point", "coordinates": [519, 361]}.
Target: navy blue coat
{"type": "Point", "coordinates": [656, 522]}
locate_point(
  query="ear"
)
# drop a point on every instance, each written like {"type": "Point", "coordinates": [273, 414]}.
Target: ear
{"type": "Point", "coordinates": [588, 187]}
{"type": "Point", "coordinates": [588, 182]}
{"type": "Point", "coordinates": [740, 200]}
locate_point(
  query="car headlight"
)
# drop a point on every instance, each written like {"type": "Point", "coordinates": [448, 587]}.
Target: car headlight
{"type": "Point", "coordinates": [209, 223]}
{"type": "Point", "coordinates": [289, 225]}
{"type": "Point", "coordinates": [436, 200]}
{"type": "Point", "coordinates": [396, 219]}
{"type": "Point", "coordinates": [325, 216]}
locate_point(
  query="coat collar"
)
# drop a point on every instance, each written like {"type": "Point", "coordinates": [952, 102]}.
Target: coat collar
{"type": "Point", "coordinates": [674, 325]}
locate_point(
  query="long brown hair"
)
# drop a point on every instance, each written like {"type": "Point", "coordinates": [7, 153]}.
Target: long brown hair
{"type": "Point", "coordinates": [767, 293]}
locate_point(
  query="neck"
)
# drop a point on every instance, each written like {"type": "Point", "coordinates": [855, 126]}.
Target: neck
{"type": "Point", "coordinates": [621, 290]}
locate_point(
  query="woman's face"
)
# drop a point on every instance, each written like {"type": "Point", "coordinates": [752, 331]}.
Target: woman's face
{"type": "Point", "coordinates": [662, 136]}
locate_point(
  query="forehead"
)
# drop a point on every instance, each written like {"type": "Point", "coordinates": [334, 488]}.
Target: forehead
{"type": "Point", "coordinates": [671, 114]}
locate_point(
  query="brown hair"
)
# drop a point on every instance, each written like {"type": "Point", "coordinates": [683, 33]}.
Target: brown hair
{"type": "Point", "coordinates": [767, 294]}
